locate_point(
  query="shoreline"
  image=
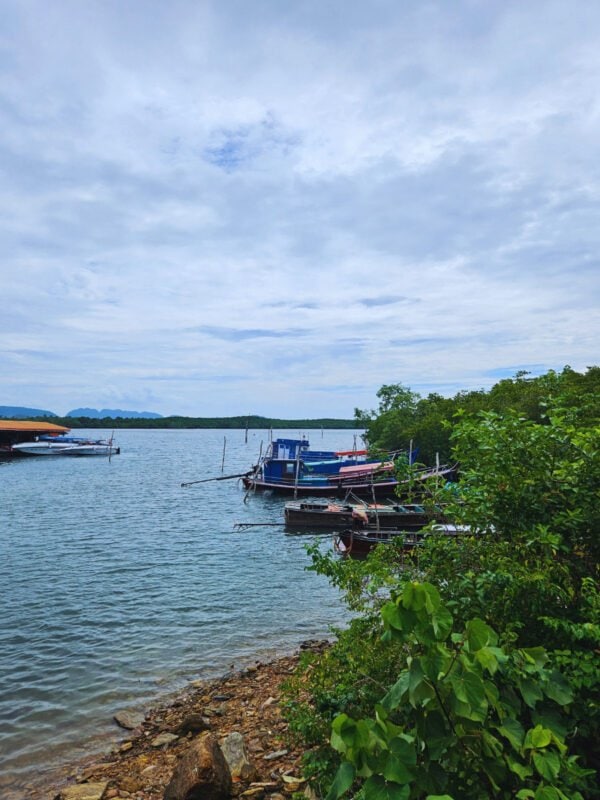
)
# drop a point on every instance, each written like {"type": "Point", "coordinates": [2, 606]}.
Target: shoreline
{"type": "Point", "coordinates": [140, 764]}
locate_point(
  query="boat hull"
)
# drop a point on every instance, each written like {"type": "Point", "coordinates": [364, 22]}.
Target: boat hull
{"type": "Point", "coordinates": [64, 449]}
{"type": "Point", "coordinates": [361, 542]}
{"type": "Point", "coordinates": [328, 488]}
{"type": "Point", "coordinates": [339, 516]}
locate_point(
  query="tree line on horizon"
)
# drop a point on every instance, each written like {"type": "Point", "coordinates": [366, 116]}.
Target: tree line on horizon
{"type": "Point", "coordinates": [403, 416]}
{"type": "Point", "coordinates": [250, 422]}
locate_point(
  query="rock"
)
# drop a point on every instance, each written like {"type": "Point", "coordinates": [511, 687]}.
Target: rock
{"type": "Point", "coordinates": [202, 773]}
{"type": "Point", "coordinates": [125, 747]}
{"type": "Point", "coordinates": [84, 791]}
{"type": "Point", "coordinates": [164, 739]}
{"type": "Point", "coordinates": [221, 698]}
{"type": "Point", "coordinates": [234, 750]}
{"type": "Point", "coordinates": [129, 719]}
{"type": "Point", "coordinates": [193, 723]}
{"type": "Point", "coordinates": [276, 754]}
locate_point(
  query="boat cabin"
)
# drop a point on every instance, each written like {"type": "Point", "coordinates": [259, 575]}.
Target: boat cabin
{"type": "Point", "coordinates": [289, 460]}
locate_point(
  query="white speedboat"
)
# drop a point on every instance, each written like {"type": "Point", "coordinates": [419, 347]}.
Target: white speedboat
{"type": "Point", "coordinates": [66, 446]}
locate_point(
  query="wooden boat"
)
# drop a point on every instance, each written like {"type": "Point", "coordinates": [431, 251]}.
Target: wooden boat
{"type": "Point", "coordinates": [361, 542]}
{"type": "Point", "coordinates": [332, 515]}
{"type": "Point", "coordinates": [290, 467]}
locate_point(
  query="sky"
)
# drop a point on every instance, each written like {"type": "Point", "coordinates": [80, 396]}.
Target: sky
{"type": "Point", "coordinates": [274, 207]}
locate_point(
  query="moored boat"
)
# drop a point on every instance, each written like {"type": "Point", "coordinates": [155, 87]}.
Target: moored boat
{"type": "Point", "coordinates": [332, 515]}
{"type": "Point", "coordinates": [361, 542]}
{"type": "Point", "coordinates": [290, 467]}
{"type": "Point", "coordinates": [66, 446]}
{"type": "Point", "coordinates": [16, 431]}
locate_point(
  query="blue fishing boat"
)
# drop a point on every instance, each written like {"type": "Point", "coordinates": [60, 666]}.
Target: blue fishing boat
{"type": "Point", "coordinates": [290, 467]}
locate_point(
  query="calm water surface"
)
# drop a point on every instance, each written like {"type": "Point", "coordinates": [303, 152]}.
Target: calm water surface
{"type": "Point", "coordinates": [117, 586]}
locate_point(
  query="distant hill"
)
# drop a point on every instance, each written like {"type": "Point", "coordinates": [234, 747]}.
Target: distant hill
{"type": "Point", "coordinates": [113, 413]}
{"type": "Point", "coordinates": [18, 412]}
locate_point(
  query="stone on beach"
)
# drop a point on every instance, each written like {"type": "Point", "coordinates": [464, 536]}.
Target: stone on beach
{"type": "Point", "coordinates": [202, 773]}
{"type": "Point", "coordinates": [234, 750]}
{"type": "Point", "coordinates": [129, 719]}
{"type": "Point", "coordinates": [193, 723]}
{"type": "Point", "coordinates": [164, 739]}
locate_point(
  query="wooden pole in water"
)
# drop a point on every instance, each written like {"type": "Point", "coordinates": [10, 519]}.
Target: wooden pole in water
{"type": "Point", "coordinates": [297, 473]}
{"type": "Point", "coordinates": [246, 437]}
{"type": "Point", "coordinates": [223, 459]}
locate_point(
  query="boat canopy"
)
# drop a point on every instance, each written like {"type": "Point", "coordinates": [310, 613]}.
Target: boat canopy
{"type": "Point", "coordinates": [34, 428]}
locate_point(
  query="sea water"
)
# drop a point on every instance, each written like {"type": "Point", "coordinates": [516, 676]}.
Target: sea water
{"type": "Point", "coordinates": [118, 586]}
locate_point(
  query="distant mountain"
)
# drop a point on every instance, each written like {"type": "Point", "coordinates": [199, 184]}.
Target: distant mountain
{"type": "Point", "coordinates": [94, 413]}
{"type": "Point", "coordinates": [17, 412]}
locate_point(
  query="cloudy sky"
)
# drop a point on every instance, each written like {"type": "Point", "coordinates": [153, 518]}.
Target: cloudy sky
{"type": "Point", "coordinates": [221, 207]}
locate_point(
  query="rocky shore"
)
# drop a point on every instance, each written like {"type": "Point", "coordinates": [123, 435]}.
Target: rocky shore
{"type": "Point", "coordinates": [227, 732]}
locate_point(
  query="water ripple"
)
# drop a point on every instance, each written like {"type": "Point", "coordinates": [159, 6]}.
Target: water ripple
{"type": "Point", "coordinates": [119, 585]}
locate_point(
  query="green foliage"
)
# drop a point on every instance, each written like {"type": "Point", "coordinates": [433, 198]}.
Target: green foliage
{"type": "Point", "coordinates": [461, 718]}
{"type": "Point", "coordinates": [480, 693]}
{"type": "Point", "coordinates": [403, 415]}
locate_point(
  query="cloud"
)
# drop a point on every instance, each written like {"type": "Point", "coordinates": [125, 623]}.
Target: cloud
{"type": "Point", "coordinates": [264, 205]}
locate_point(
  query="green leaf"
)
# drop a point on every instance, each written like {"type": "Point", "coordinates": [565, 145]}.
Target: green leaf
{"type": "Point", "coordinates": [396, 770]}
{"type": "Point", "coordinates": [530, 691]}
{"type": "Point", "coordinates": [547, 764]}
{"type": "Point", "coordinates": [492, 746]}
{"type": "Point", "coordinates": [413, 596]}
{"type": "Point", "coordinates": [342, 782]}
{"type": "Point", "coordinates": [433, 602]}
{"type": "Point", "coordinates": [404, 749]}
{"type": "Point", "coordinates": [546, 793]}
{"type": "Point", "coordinates": [469, 688]}
{"type": "Point", "coordinates": [558, 689]}
{"type": "Point", "coordinates": [537, 737]}
{"type": "Point", "coordinates": [479, 635]}
{"type": "Point", "coordinates": [393, 699]}
{"type": "Point", "coordinates": [441, 621]}
{"type": "Point", "coordinates": [418, 688]}
{"type": "Point", "coordinates": [487, 658]}
{"type": "Point", "coordinates": [535, 655]}
{"type": "Point", "coordinates": [376, 788]}
{"type": "Point", "coordinates": [343, 732]}
{"type": "Point", "coordinates": [439, 797]}
{"type": "Point", "coordinates": [512, 730]}
{"type": "Point", "coordinates": [523, 794]}
{"type": "Point", "coordinates": [522, 770]}
{"type": "Point", "coordinates": [392, 616]}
